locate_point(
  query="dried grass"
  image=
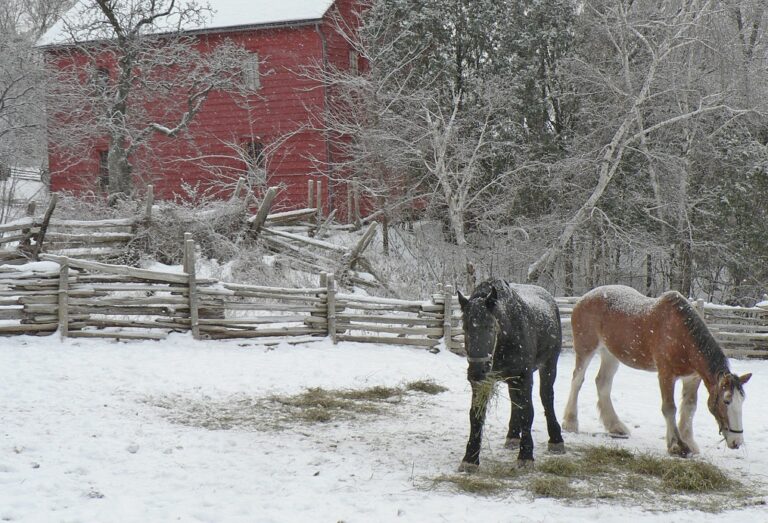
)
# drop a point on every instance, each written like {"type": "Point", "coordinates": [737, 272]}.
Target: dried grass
{"type": "Point", "coordinates": [612, 473]}
{"type": "Point", "coordinates": [425, 386]}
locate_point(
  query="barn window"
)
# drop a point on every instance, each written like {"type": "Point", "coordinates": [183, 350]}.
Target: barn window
{"type": "Point", "coordinates": [104, 170]}
{"type": "Point", "coordinates": [255, 162]}
{"type": "Point", "coordinates": [251, 77]}
{"type": "Point", "coordinates": [354, 58]}
{"type": "Point", "coordinates": [101, 78]}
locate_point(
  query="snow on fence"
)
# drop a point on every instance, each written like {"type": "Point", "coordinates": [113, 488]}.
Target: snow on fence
{"type": "Point", "coordinates": [80, 298]}
{"type": "Point", "coordinates": [295, 237]}
{"type": "Point", "coordinates": [27, 237]}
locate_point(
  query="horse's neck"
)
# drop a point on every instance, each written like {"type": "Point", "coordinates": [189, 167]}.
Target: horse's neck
{"type": "Point", "coordinates": [707, 358]}
{"type": "Point", "coordinates": [710, 372]}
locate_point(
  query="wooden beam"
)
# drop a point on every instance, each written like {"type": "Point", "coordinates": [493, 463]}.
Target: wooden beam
{"type": "Point", "coordinates": [44, 227]}
{"type": "Point", "coordinates": [330, 297]}
{"type": "Point", "coordinates": [64, 301]}
{"type": "Point", "coordinates": [350, 259]}
{"type": "Point", "coordinates": [323, 227]}
{"type": "Point", "coordinates": [254, 227]}
{"type": "Point", "coordinates": [238, 189]}
{"type": "Point", "coordinates": [189, 268]}
{"type": "Point", "coordinates": [309, 241]}
{"type": "Point", "coordinates": [124, 270]}
{"type": "Point", "coordinates": [149, 203]}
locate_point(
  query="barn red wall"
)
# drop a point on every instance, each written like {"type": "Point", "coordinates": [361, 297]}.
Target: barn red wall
{"type": "Point", "coordinates": [286, 102]}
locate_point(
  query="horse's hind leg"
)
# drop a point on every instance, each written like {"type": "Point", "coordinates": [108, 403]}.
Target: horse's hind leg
{"type": "Point", "coordinates": [604, 381]}
{"type": "Point", "coordinates": [547, 375]}
{"type": "Point", "coordinates": [687, 410]}
{"type": "Point", "coordinates": [571, 415]}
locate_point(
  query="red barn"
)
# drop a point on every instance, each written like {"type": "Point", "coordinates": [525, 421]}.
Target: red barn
{"type": "Point", "coordinates": [286, 36]}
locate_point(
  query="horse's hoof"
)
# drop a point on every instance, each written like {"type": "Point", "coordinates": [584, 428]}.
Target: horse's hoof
{"type": "Point", "coordinates": [619, 435]}
{"type": "Point", "coordinates": [525, 464]}
{"type": "Point", "coordinates": [570, 425]}
{"type": "Point", "coordinates": [681, 451]}
{"type": "Point", "coordinates": [556, 448]}
{"type": "Point", "coordinates": [512, 443]}
{"type": "Point", "coordinates": [469, 468]}
{"type": "Point", "coordinates": [680, 454]}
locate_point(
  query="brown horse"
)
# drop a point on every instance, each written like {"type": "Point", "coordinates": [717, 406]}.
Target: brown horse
{"type": "Point", "coordinates": [665, 335]}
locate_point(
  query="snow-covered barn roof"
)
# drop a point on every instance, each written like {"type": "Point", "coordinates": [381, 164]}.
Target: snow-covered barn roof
{"type": "Point", "coordinates": [225, 14]}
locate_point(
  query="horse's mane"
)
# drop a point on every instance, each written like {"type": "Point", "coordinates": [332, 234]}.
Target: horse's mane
{"type": "Point", "coordinates": [705, 341]}
{"type": "Point", "coordinates": [502, 289]}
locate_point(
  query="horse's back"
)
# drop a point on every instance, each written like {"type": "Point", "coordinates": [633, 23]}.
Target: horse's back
{"type": "Point", "coordinates": [620, 319]}
{"type": "Point", "coordinates": [538, 300]}
{"type": "Point", "coordinates": [542, 312]}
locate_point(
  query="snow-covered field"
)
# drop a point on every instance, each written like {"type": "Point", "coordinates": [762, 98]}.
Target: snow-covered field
{"type": "Point", "coordinates": [83, 440]}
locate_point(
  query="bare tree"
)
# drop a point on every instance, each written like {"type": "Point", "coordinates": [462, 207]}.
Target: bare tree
{"type": "Point", "coordinates": [631, 92]}
{"type": "Point", "coordinates": [127, 73]}
{"type": "Point", "coordinates": [414, 144]}
{"type": "Point", "coordinates": [21, 117]}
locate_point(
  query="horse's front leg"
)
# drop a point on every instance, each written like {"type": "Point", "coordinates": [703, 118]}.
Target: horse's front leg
{"type": "Point", "coordinates": [477, 409]}
{"type": "Point", "coordinates": [513, 435]}
{"type": "Point", "coordinates": [675, 444]}
{"type": "Point", "coordinates": [687, 410]}
{"type": "Point", "coordinates": [520, 394]}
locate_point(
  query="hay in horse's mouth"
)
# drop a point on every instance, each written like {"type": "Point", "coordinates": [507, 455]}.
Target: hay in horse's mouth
{"type": "Point", "coordinates": [486, 391]}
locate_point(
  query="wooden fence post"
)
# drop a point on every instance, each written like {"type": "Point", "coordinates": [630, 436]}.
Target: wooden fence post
{"type": "Point", "coordinates": [189, 268]}
{"type": "Point", "coordinates": [356, 203]}
{"type": "Point", "coordinates": [350, 214]}
{"type": "Point", "coordinates": [238, 189]}
{"type": "Point", "coordinates": [323, 227]}
{"type": "Point", "coordinates": [698, 306]}
{"type": "Point", "coordinates": [257, 222]}
{"type": "Point", "coordinates": [64, 300]}
{"type": "Point", "coordinates": [149, 203]}
{"type": "Point", "coordinates": [310, 193]}
{"type": "Point", "coordinates": [37, 249]}
{"type": "Point", "coordinates": [447, 315]}
{"type": "Point", "coordinates": [331, 304]}
{"type": "Point", "coordinates": [319, 204]}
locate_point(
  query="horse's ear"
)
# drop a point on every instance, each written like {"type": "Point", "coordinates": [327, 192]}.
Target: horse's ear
{"type": "Point", "coordinates": [463, 301]}
{"type": "Point", "coordinates": [745, 378]}
{"type": "Point", "coordinates": [490, 299]}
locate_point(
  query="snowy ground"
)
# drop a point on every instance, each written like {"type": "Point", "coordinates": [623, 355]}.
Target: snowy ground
{"type": "Point", "coordinates": [82, 440]}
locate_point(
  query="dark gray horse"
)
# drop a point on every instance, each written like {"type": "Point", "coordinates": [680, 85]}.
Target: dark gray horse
{"type": "Point", "coordinates": [510, 331]}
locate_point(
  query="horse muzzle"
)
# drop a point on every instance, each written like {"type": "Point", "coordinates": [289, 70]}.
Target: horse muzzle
{"type": "Point", "coordinates": [734, 439]}
{"type": "Point", "coordinates": [478, 368]}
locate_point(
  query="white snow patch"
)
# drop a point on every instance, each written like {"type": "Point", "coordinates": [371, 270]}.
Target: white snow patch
{"type": "Point", "coordinates": [78, 441]}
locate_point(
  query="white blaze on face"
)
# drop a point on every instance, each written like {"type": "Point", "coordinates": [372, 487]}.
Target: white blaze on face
{"type": "Point", "coordinates": [734, 440]}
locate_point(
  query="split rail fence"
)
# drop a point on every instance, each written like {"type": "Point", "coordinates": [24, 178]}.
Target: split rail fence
{"type": "Point", "coordinates": [79, 298]}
